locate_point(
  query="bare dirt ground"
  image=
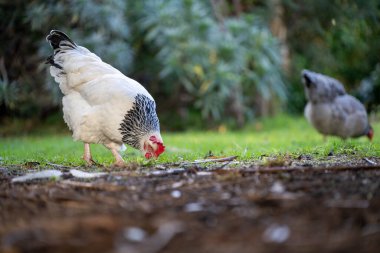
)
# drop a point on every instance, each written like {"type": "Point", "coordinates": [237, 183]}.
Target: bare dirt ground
{"type": "Point", "coordinates": [291, 205]}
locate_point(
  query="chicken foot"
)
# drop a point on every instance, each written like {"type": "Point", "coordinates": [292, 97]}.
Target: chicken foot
{"type": "Point", "coordinates": [87, 155]}
{"type": "Point", "coordinates": [119, 162]}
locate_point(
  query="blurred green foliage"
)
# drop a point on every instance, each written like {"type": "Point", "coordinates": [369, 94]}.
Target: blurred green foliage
{"type": "Point", "coordinates": [205, 62]}
{"type": "Point", "coordinates": [369, 90]}
{"type": "Point", "coordinates": [219, 66]}
{"type": "Point", "coordinates": [339, 38]}
{"type": "Point", "coordinates": [23, 48]}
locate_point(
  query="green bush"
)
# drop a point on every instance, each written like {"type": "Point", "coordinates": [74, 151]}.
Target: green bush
{"type": "Point", "coordinates": [100, 26]}
{"type": "Point", "coordinates": [222, 66]}
{"type": "Point", "coordinates": [205, 62]}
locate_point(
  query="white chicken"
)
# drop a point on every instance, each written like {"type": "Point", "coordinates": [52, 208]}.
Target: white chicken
{"type": "Point", "coordinates": [331, 110]}
{"type": "Point", "coordinates": [100, 104]}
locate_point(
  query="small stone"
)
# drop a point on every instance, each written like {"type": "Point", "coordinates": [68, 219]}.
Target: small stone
{"type": "Point", "coordinates": [160, 167]}
{"type": "Point", "coordinates": [277, 187]}
{"type": "Point", "coordinates": [225, 195]}
{"type": "Point", "coordinates": [276, 233]}
{"type": "Point", "coordinates": [177, 184]}
{"type": "Point", "coordinates": [134, 234]}
{"type": "Point", "coordinates": [176, 194]}
{"type": "Point", "coordinates": [193, 207]}
{"type": "Point", "coordinates": [304, 157]}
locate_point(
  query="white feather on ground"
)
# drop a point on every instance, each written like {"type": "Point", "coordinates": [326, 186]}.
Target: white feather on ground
{"type": "Point", "coordinates": [38, 175]}
{"type": "Point", "coordinates": [83, 174]}
{"type": "Point", "coordinates": [56, 174]}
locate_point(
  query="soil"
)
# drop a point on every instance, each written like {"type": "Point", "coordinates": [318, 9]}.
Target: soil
{"type": "Point", "coordinates": [277, 205]}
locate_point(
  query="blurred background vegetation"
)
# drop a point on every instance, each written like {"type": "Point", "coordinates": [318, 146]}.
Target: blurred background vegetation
{"type": "Point", "coordinates": [206, 62]}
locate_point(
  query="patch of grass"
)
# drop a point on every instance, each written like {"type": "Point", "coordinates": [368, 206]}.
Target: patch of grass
{"type": "Point", "coordinates": [282, 135]}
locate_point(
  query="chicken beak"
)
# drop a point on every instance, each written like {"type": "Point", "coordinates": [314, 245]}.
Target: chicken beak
{"type": "Point", "coordinates": [370, 135]}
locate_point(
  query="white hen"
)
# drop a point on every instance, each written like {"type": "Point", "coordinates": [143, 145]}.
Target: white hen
{"type": "Point", "coordinates": [100, 104]}
{"type": "Point", "coordinates": [331, 110]}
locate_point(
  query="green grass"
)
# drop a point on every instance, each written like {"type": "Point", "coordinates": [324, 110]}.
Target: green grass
{"type": "Point", "coordinates": [270, 137]}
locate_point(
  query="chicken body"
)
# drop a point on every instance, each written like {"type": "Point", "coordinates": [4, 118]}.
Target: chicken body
{"type": "Point", "coordinates": [100, 104]}
{"type": "Point", "coordinates": [331, 110]}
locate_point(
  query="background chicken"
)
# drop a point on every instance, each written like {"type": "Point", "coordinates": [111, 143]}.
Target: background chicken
{"type": "Point", "coordinates": [331, 110]}
{"type": "Point", "coordinates": [100, 104]}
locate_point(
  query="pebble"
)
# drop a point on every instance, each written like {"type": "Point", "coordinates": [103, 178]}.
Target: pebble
{"type": "Point", "coordinates": [277, 187]}
{"type": "Point", "coordinates": [177, 184]}
{"type": "Point", "coordinates": [176, 194]}
{"type": "Point", "coordinates": [193, 207]}
{"type": "Point", "coordinates": [276, 233]}
{"type": "Point", "coordinates": [134, 234]}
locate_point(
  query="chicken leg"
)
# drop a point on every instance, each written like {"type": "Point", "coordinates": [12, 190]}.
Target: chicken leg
{"type": "Point", "coordinates": [87, 155]}
{"type": "Point", "coordinates": [119, 162]}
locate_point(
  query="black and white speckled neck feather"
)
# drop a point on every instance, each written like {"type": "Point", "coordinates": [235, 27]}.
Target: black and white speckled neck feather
{"type": "Point", "coordinates": [140, 120]}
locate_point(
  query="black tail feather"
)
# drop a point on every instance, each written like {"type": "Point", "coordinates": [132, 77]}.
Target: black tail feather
{"type": "Point", "coordinates": [50, 60]}
{"type": "Point", "coordinates": [56, 37]}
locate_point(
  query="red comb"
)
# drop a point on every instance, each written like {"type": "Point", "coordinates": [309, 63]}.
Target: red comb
{"type": "Point", "coordinates": [160, 149]}
{"type": "Point", "coordinates": [160, 145]}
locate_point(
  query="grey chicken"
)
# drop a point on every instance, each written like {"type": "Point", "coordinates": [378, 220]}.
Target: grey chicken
{"type": "Point", "coordinates": [331, 110]}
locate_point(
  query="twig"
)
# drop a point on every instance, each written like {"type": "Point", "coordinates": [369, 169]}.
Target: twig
{"type": "Point", "coordinates": [223, 159]}
{"type": "Point", "coordinates": [221, 166]}
{"type": "Point", "coordinates": [303, 169]}
{"type": "Point", "coordinates": [369, 161]}
{"type": "Point", "coordinates": [60, 165]}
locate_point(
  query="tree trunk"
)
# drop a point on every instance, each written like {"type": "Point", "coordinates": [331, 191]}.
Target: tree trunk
{"type": "Point", "coordinates": [279, 30]}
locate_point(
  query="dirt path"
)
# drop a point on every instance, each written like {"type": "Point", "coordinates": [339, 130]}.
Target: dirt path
{"type": "Point", "coordinates": [298, 207]}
